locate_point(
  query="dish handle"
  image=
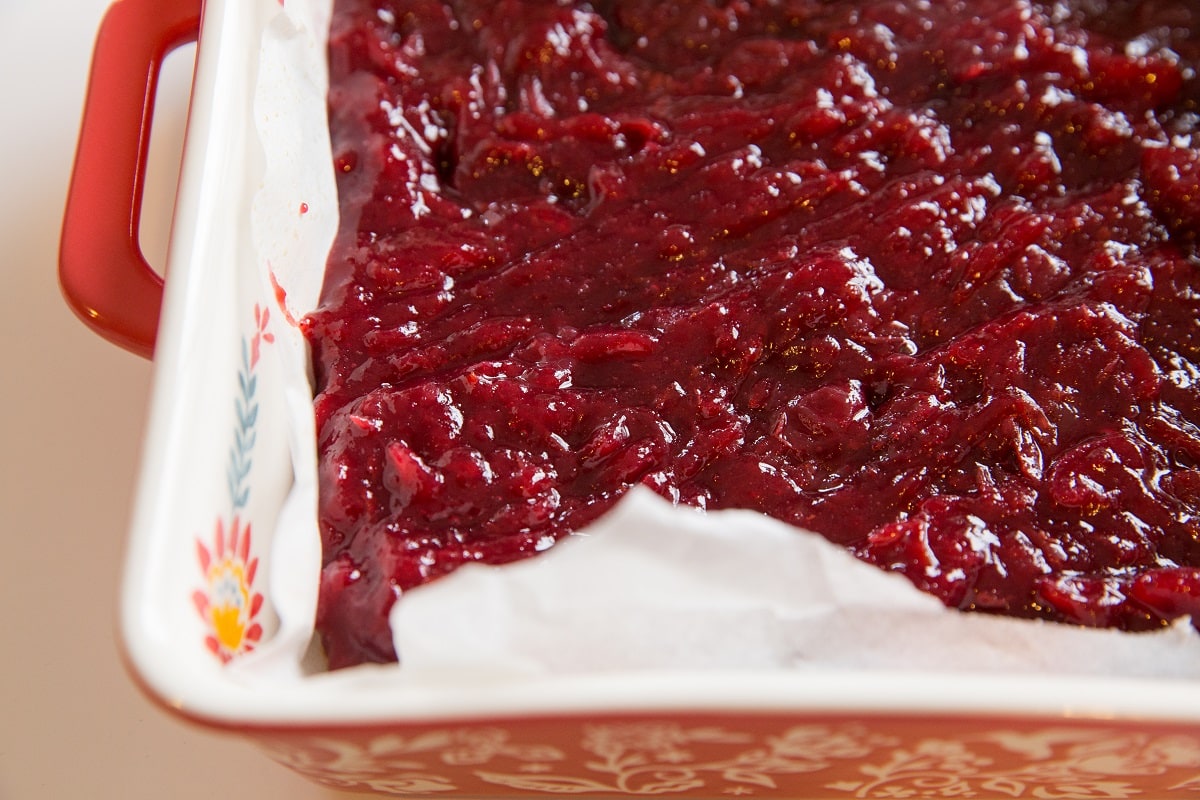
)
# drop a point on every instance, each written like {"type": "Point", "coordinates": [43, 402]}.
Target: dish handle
{"type": "Point", "coordinates": [103, 273]}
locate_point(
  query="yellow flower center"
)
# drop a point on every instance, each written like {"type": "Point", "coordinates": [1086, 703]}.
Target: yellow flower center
{"type": "Point", "coordinates": [229, 602]}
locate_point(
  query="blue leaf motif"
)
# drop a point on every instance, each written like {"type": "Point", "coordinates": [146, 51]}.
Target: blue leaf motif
{"type": "Point", "coordinates": [237, 472]}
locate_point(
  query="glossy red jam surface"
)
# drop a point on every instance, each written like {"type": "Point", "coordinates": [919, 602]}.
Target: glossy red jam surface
{"type": "Point", "coordinates": [920, 276]}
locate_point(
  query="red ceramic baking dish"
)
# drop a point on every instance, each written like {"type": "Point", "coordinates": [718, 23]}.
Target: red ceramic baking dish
{"type": "Point", "coordinates": [204, 631]}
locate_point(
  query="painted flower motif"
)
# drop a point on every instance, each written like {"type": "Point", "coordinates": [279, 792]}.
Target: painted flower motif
{"type": "Point", "coordinates": [229, 605]}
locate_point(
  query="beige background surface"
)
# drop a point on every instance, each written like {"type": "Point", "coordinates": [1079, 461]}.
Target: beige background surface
{"type": "Point", "coordinates": [72, 409]}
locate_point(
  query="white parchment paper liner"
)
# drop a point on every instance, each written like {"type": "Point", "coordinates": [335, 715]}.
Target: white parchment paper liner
{"type": "Point", "coordinates": [647, 587]}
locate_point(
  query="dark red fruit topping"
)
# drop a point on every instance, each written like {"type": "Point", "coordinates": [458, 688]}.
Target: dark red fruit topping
{"type": "Point", "coordinates": [921, 277]}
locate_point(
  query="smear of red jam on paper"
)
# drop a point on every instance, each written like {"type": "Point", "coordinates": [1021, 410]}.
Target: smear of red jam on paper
{"type": "Point", "coordinates": [921, 277]}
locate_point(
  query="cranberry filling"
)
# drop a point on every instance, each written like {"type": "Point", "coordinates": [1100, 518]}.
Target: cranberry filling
{"type": "Point", "coordinates": [918, 276]}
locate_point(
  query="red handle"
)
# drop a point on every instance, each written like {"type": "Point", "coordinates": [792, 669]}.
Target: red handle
{"type": "Point", "coordinates": [104, 275]}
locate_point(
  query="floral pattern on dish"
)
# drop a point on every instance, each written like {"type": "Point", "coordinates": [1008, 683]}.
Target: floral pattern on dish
{"type": "Point", "coordinates": [228, 603]}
